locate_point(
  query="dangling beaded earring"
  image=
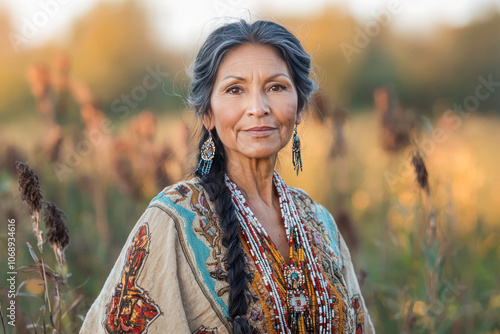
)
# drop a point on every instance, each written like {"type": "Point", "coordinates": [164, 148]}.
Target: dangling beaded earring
{"type": "Point", "coordinates": [207, 155]}
{"type": "Point", "coordinates": [296, 158]}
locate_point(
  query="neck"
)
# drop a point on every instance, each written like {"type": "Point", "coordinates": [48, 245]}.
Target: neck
{"type": "Point", "coordinates": [254, 177]}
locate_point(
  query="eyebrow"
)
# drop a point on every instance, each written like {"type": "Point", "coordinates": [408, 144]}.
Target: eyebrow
{"type": "Point", "coordinates": [243, 79]}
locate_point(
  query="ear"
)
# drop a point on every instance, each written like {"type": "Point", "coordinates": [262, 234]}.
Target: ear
{"type": "Point", "coordinates": [208, 120]}
{"type": "Point", "coordinates": [299, 117]}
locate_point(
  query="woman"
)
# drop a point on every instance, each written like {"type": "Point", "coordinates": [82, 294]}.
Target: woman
{"type": "Point", "coordinates": [233, 249]}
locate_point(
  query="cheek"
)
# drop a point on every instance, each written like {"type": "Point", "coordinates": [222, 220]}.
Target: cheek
{"type": "Point", "coordinates": [225, 120]}
{"type": "Point", "coordinates": [287, 106]}
{"type": "Point", "coordinates": [288, 118]}
{"type": "Point", "coordinates": [288, 115]}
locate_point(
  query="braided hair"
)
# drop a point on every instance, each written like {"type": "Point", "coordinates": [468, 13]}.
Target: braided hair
{"type": "Point", "coordinates": [206, 65]}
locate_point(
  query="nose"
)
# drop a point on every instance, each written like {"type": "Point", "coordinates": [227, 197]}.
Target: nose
{"type": "Point", "coordinates": [257, 104]}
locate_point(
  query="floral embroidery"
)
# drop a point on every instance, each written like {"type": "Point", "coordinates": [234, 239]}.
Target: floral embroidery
{"type": "Point", "coordinates": [209, 228]}
{"type": "Point", "coordinates": [131, 310]}
{"type": "Point", "coordinates": [174, 191]}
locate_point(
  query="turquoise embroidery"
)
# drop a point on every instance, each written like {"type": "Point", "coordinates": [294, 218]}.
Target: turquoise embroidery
{"type": "Point", "coordinates": [326, 218]}
{"type": "Point", "coordinates": [200, 250]}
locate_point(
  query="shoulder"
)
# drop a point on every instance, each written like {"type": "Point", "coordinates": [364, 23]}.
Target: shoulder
{"type": "Point", "coordinates": [171, 208]}
{"type": "Point", "coordinates": [301, 196]}
{"type": "Point", "coordinates": [297, 192]}
{"type": "Point", "coordinates": [305, 203]}
{"type": "Point", "coordinates": [180, 189]}
{"type": "Point", "coordinates": [319, 221]}
{"type": "Point", "coordinates": [303, 200]}
{"type": "Point", "coordinates": [181, 196]}
{"type": "Point", "coordinates": [188, 207]}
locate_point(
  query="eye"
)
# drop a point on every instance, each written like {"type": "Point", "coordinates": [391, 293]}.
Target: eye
{"type": "Point", "coordinates": [277, 88]}
{"type": "Point", "coordinates": [233, 90]}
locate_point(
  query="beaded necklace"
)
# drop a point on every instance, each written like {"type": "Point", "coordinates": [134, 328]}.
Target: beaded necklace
{"type": "Point", "coordinates": [301, 297]}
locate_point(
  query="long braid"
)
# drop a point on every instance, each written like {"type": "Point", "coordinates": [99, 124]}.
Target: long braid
{"type": "Point", "coordinates": [215, 186]}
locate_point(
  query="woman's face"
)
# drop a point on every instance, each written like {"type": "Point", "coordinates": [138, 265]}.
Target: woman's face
{"type": "Point", "coordinates": [253, 103]}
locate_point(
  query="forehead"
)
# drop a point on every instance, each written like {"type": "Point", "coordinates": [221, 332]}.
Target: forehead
{"type": "Point", "coordinates": [251, 57]}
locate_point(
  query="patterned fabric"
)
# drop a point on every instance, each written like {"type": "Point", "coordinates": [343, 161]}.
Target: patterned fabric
{"type": "Point", "coordinates": [131, 310]}
{"type": "Point", "coordinates": [178, 284]}
{"type": "Point", "coordinates": [204, 330]}
{"type": "Point", "coordinates": [359, 315]}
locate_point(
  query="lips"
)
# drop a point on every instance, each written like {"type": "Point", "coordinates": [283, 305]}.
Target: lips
{"type": "Point", "coordinates": [260, 131]}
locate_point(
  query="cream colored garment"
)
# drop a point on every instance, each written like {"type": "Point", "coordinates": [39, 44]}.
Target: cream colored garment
{"type": "Point", "coordinates": [170, 275]}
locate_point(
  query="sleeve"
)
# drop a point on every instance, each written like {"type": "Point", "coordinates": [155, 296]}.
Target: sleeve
{"type": "Point", "coordinates": [362, 316]}
{"type": "Point", "coordinates": [143, 283]}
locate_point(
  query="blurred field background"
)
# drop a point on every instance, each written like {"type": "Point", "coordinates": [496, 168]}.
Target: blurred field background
{"type": "Point", "coordinates": [98, 111]}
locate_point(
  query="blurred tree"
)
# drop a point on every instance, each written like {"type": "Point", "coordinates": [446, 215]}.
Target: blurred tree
{"type": "Point", "coordinates": [111, 47]}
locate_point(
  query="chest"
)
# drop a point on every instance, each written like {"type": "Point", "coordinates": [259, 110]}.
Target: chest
{"type": "Point", "coordinates": [260, 308]}
{"type": "Point", "coordinates": [272, 223]}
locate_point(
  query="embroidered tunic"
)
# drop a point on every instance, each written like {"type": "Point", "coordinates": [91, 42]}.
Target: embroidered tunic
{"type": "Point", "coordinates": [171, 277]}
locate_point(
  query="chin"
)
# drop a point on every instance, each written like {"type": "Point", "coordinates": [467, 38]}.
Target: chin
{"type": "Point", "coordinates": [261, 153]}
